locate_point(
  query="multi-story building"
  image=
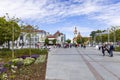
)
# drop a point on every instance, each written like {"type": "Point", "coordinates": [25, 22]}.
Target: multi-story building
{"type": "Point", "coordinates": [35, 37]}
{"type": "Point", "coordinates": [60, 38]}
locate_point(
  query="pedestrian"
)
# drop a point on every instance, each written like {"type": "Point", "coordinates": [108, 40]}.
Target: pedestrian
{"type": "Point", "coordinates": [81, 45]}
{"type": "Point", "coordinates": [107, 47]}
{"type": "Point", "coordinates": [84, 46]}
{"type": "Point", "coordinates": [103, 49]}
{"type": "Point", "coordinates": [111, 50]}
{"type": "Point", "coordinates": [99, 46]}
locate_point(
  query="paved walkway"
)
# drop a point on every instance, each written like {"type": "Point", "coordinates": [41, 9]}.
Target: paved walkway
{"type": "Point", "coordinates": [82, 64]}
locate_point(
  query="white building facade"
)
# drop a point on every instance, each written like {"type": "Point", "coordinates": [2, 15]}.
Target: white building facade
{"type": "Point", "coordinates": [36, 37]}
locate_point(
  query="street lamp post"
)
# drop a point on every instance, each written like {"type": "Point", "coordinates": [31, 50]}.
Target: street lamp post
{"type": "Point", "coordinates": [101, 37]}
{"type": "Point", "coordinates": [114, 29]}
{"type": "Point", "coordinates": [108, 34]}
{"type": "Point", "coordinates": [30, 42]}
{"type": "Point", "coordinates": [95, 39]}
{"type": "Point", "coordinates": [35, 34]}
{"type": "Point", "coordinates": [22, 34]}
{"type": "Point", "coordinates": [114, 34]}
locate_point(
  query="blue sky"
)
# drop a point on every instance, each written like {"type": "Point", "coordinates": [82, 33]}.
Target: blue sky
{"type": "Point", "coordinates": [64, 15]}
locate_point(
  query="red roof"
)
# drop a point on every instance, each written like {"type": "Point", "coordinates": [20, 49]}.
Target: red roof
{"type": "Point", "coordinates": [55, 35]}
{"type": "Point", "coordinates": [50, 36]}
{"type": "Point", "coordinates": [58, 34]}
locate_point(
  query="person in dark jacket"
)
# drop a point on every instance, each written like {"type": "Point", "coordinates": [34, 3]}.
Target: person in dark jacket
{"type": "Point", "coordinates": [103, 49]}
{"type": "Point", "coordinates": [111, 50]}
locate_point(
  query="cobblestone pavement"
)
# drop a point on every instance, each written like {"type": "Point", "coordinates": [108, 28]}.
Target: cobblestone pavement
{"type": "Point", "coordinates": [82, 64]}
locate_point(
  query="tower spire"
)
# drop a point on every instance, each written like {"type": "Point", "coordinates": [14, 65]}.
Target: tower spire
{"type": "Point", "coordinates": [75, 32]}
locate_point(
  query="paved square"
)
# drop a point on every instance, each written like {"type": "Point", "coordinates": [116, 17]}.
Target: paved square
{"type": "Point", "coordinates": [82, 64]}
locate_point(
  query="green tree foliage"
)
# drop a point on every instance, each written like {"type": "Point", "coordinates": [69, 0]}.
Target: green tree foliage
{"type": "Point", "coordinates": [97, 39]}
{"type": "Point", "coordinates": [78, 41]}
{"type": "Point", "coordinates": [68, 41]}
{"type": "Point", "coordinates": [46, 41]}
{"type": "Point", "coordinates": [118, 35]}
{"type": "Point", "coordinates": [84, 39]}
{"type": "Point", "coordinates": [104, 38]}
{"type": "Point", "coordinates": [3, 29]}
{"type": "Point", "coordinates": [54, 41]}
{"type": "Point", "coordinates": [13, 27]}
{"type": "Point", "coordinates": [92, 34]}
{"type": "Point", "coordinates": [114, 32]}
{"type": "Point", "coordinates": [7, 28]}
{"type": "Point", "coordinates": [111, 36]}
{"type": "Point", "coordinates": [96, 33]}
{"type": "Point", "coordinates": [98, 36]}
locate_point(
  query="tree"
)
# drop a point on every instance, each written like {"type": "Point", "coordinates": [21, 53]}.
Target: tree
{"type": "Point", "coordinates": [114, 34]}
{"type": "Point", "coordinates": [3, 31]}
{"type": "Point", "coordinates": [10, 31]}
{"type": "Point", "coordinates": [97, 36]}
{"type": "Point", "coordinates": [94, 33]}
{"type": "Point", "coordinates": [118, 35]}
{"type": "Point", "coordinates": [79, 41]}
{"type": "Point", "coordinates": [7, 29]}
{"type": "Point", "coordinates": [46, 41]}
{"type": "Point", "coordinates": [68, 41]}
{"type": "Point", "coordinates": [13, 31]}
{"type": "Point", "coordinates": [84, 39]}
{"type": "Point", "coordinates": [29, 30]}
{"type": "Point", "coordinates": [54, 41]}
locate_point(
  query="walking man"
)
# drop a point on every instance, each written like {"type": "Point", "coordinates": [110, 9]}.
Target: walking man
{"type": "Point", "coordinates": [103, 49]}
{"type": "Point", "coordinates": [111, 50]}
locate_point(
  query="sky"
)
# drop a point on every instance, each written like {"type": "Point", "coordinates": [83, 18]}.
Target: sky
{"type": "Point", "coordinates": [64, 15]}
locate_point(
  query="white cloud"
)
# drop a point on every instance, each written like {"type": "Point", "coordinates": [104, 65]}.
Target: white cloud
{"type": "Point", "coordinates": [21, 8]}
{"type": "Point", "coordinates": [109, 14]}
{"type": "Point", "coordinates": [41, 9]}
{"type": "Point", "coordinates": [52, 11]}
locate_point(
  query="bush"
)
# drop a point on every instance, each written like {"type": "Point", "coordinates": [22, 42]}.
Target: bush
{"type": "Point", "coordinates": [5, 49]}
{"type": "Point", "coordinates": [6, 55]}
{"type": "Point", "coordinates": [117, 48]}
{"type": "Point", "coordinates": [21, 52]}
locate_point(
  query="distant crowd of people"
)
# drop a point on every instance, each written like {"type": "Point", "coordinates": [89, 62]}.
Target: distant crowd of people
{"type": "Point", "coordinates": [74, 45]}
{"type": "Point", "coordinates": [67, 45]}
